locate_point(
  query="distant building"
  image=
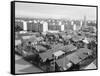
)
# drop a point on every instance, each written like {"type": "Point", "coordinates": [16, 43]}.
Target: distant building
{"type": "Point", "coordinates": [62, 27]}
{"type": "Point", "coordinates": [45, 27]}
{"type": "Point", "coordinates": [85, 24]}
{"type": "Point", "coordinates": [24, 25]}
{"type": "Point", "coordinates": [37, 25]}
{"type": "Point", "coordinates": [74, 27]}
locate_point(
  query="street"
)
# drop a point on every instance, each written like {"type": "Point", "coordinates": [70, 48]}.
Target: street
{"type": "Point", "coordinates": [22, 66]}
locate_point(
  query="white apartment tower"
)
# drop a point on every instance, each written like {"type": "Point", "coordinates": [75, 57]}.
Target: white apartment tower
{"type": "Point", "coordinates": [74, 27]}
{"type": "Point", "coordinates": [45, 27]}
{"type": "Point", "coordinates": [62, 27]}
{"type": "Point", "coordinates": [25, 25]}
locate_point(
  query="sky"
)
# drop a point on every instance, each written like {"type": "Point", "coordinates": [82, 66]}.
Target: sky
{"type": "Point", "coordinates": [54, 11]}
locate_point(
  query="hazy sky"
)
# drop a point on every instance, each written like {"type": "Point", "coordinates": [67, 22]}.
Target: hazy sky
{"type": "Point", "coordinates": [54, 11]}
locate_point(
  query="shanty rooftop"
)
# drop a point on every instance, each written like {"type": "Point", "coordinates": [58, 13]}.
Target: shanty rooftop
{"type": "Point", "coordinates": [46, 55]}
{"type": "Point", "coordinates": [63, 62]}
{"type": "Point", "coordinates": [73, 58]}
{"type": "Point", "coordinates": [69, 47]}
{"type": "Point", "coordinates": [76, 38]}
{"type": "Point", "coordinates": [79, 55]}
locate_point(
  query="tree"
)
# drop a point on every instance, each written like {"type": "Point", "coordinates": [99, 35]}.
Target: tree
{"type": "Point", "coordinates": [18, 28]}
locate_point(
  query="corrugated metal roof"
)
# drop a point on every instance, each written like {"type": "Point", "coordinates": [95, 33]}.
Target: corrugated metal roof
{"type": "Point", "coordinates": [77, 38]}
{"type": "Point", "coordinates": [58, 53]}
{"type": "Point", "coordinates": [82, 56]}
{"type": "Point", "coordinates": [79, 55]}
{"type": "Point", "coordinates": [74, 58]}
{"type": "Point", "coordinates": [62, 62]}
{"type": "Point", "coordinates": [46, 55]}
{"type": "Point", "coordinates": [84, 50]}
{"type": "Point", "coordinates": [57, 47]}
{"type": "Point", "coordinates": [69, 48]}
{"type": "Point", "coordinates": [40, 48]}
